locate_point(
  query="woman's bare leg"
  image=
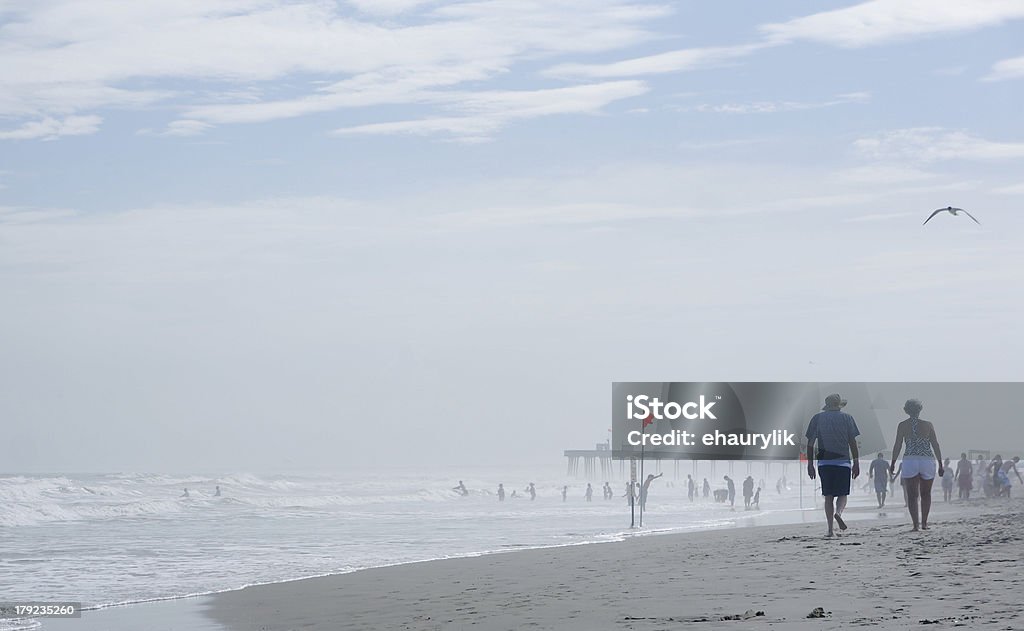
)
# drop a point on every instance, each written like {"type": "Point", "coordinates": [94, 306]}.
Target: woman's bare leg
{"type": "Point", "coordinates": [926, 501]}
{"type": "Point", "coordinates": [912, 488]}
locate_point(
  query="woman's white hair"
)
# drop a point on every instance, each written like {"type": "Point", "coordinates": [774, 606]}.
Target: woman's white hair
{"type": "Point", "coordinates": [913, 406]}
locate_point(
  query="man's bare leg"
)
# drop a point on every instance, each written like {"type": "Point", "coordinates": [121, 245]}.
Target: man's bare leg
{"type": "Point", "coordinates": [830, 511]}
{"type": "Point", "coordinates": [912, 487]}
{"type": "Point", "coordinates": [926, 501]}
{"type": "Point", "coordinates": [840, 507]}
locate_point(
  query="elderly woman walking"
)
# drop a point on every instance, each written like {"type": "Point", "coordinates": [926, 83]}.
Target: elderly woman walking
{"type": "Point", "coordinates": [920, 460]}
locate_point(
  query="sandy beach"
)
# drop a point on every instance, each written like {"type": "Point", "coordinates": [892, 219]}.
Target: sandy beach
{"type": "Point", "coordinates": [962, 572]}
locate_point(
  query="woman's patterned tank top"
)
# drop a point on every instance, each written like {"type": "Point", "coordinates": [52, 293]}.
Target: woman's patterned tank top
{"type": "Point", "coordinates": [917, 445]}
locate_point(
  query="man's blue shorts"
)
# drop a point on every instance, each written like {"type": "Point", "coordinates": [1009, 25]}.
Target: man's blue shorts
{"type": "Point", "coordinates": [835, 480]}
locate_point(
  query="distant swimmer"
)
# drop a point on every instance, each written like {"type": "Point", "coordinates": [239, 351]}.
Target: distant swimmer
{"type": "Point", "coordinates": [216, 493]}
{"type": "Point", "coordinates": [691, 487]}
{"type": "Point", "coordinates": [879, 473]}
{"type": "Point", "coordinates": [757, 498]}
{"type": "Point", "coordinates": [565, 492]}
{"type": "Point", "coordinates": [513, 496]}
{"type": "Point", "coordinates": [947, 482]}
{"type": "Point", "coordinates": [748, 492]}
{"type": "Point", "coordinates": [185, 494]}
{"type": "Point", "coordinates": [629, 495]}
{"type": "Point", "coordinates": [979, 473]}
{"type": "Point", "coordinates": [501, 492]}
{"type": "Point", "coordinates": [1003, 476]}
{"type": "Point", "coordinates": [461, 489]}
{"type": "Point", "coordinates": [964, 477]}
{"type": "Point", "coordinates": [992, 476]}
{"type": "Point", "coordinates": [532, 491]}
{"type": "Point", "coordinates": [706, 488]}
{"type": "Point", "coordinates": [952, 211]}
{"type": "Point", "coordinates": [731, 490]}
{"type": "Point", "coordinates": [608, 493]}
{"type": "Point", "coordinates": [646, 487]}
{"type": "Point", "coordinates": [589, 493]}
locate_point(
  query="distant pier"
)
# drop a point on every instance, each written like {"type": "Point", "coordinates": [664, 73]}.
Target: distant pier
{"type": "Point", "coordinates": [598, 464]}
{"type": "Point", "coordinates": [592, 460]}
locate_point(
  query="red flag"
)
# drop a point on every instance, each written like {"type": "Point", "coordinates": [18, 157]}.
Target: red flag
{"type": "Point", "coordinates": [648, 420]}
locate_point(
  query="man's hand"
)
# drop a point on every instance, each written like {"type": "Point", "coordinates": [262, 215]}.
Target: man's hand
{"type": "Point", "coordinates": [810, 470]}
{"type": "Point", "coordinates": [856, 468]}
{"type": "Point", "coordinates": [892, 469]}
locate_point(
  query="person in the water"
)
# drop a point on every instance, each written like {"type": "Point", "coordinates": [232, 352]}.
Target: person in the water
{"type": "Point", "coordinates": [532, 491]}
{"type": "Point", "coordinates": [879, 474]}
{"type": "Point", "coordinates": [964, 477]}
{"type": "Point", "coordinates": [501, 492]}
{"type": "Point", "coordinates": [461, 489]}
{"type": "Point", "coordinates": [185, 494]}
{"type": "Point", "coordinates": [646, 487]}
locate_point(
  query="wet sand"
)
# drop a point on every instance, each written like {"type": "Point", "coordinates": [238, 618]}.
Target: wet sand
{"type": "Point", "coordinates": [964, 571]}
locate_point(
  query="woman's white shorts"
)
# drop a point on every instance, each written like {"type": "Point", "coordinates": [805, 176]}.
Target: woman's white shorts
{"type": "Point", "coordinates": [923, 466]}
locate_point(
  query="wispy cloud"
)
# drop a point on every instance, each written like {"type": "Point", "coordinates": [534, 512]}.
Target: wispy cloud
{"type": "Point", "coordinates": [60, 60]}
{"type": "Point", "coordinates": [767, 107]}
{"type": "Point", "coordinates": [484, 113]}
{"type": "Point", "coordinates": [186, 128]}
{"type": "Point", "coordinates": [388, 7]}
{"type": "Point", "coordinates": [1007, 69]}
{"type": "Point", "coordinates": [930, 144]}
{"type": "Point", "coordinates": [661, 63]}
{"type": "Point", "coordinates": [868, 23]}
{"type": "Point", "coordinates": [884, 174]}
{"type": "Point", "coordinates": [886, 21]}
{"type": "Point", "coordinates": [1012, 189]}
{"type": "Point", "coordinates": [53, 128]}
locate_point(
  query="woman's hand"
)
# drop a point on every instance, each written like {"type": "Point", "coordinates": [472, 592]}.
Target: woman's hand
{"type": "Point", "coordinates": [941, 470]}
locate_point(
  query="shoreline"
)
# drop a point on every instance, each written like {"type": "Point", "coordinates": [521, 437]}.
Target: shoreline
{"type": "Point", "coordinates": [631, 583]}
{"type": "Point", "coordinates": [728, 520]}
{"type": "Point", "coordinates": [206, 612]}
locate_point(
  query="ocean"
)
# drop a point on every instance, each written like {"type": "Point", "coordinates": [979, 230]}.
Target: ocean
{"type": "Point", "coordinates": [108, 539]}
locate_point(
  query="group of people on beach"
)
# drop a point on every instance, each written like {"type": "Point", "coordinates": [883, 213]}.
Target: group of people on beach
{"type": "Point", "coordinates": [531, 490]}
{"type": "Point", "coordinates": [833, 459]}
{"type": "Point", "coordinates": [831, 440]}
{"type": "Point", "coordinates": [992, 478]}
{"type": "Point", "coordinates": [637, 494]}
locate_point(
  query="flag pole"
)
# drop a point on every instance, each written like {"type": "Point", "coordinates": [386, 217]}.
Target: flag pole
{"type": "Point", "coordinates": [629, 493]}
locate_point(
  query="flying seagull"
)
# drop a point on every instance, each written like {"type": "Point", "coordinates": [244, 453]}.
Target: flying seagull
{"type": "Point", "coordinates": [952, 211]}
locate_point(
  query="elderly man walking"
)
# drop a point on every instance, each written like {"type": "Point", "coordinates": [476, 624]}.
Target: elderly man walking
{"type": "Point", "coordinates": [834, 433]}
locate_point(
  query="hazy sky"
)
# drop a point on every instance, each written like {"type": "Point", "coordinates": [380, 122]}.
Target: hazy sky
{"type": "Point", "coordinates": [268, 234]}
